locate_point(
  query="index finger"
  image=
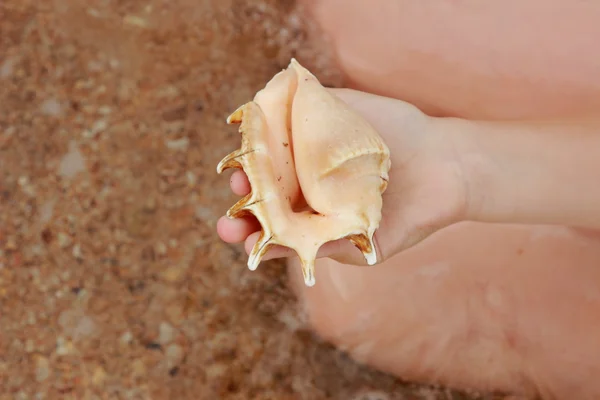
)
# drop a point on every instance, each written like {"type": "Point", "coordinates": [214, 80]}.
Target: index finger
{"type": "Point", "coordinates": [239, 183]}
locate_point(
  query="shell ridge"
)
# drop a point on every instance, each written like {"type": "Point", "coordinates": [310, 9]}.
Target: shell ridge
{"type": "Point", "coordinates": [344, 161]}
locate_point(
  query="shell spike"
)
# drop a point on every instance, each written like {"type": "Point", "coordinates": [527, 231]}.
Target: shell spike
{"type": "Point", "coordinates": [236, 116]}
{"type": "Point", "coordinates": [230, 161]}
{"type": "Point", "coordinates": [308, 255]}
{"type": "Point", "coordinates": [371, 256]}
{"type": "Point", "coordinates": [308, 271]}
{"type": "Point", "coordinates": [366, 245]}
{"type": "Point", "coordinates": [264, 243]}
{"type": "Point", "coordinates": [243, 206]}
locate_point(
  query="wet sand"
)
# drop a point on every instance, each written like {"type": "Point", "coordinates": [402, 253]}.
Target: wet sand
{"type": "Point", "coordinates": [113, 282]}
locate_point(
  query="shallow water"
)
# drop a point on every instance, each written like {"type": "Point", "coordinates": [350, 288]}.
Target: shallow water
{"type": "Point", "coordinates": [113, 283]}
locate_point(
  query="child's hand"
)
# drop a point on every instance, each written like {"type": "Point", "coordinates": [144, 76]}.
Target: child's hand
{"type": "Point", "coordinates": [425, 193]}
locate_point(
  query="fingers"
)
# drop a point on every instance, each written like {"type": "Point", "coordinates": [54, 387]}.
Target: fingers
{"type": "Point", "coordinates": [239, 183]}
{"type": "Point", "coordinates": [236, 230]}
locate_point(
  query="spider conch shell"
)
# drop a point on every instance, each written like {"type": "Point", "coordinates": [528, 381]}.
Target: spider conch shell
{"type": "Point", "coordinates": [316, 168]}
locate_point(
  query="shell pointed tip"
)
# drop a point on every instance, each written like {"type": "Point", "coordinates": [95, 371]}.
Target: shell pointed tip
{"type": "Point", "coordinates": [308, 271]}
{"type": "Point", "coordinates": [252, 265]}
{"type": "Point", "coordinates": [309, 281]}
{"type": "Point", "coordinates": [371, 258]}
{"type": "Point", "coordinates": [295, 64]}
{"type": "Point", "coordinates": [230, 161]}
{"type": "Point", "coordinates": [236, 116]}
{"type": "Point", "coordinates": [259, 250]}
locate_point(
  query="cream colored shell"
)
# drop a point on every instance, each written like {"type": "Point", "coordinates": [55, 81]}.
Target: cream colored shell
{"type": "Point", "coordinates": [316, 168]}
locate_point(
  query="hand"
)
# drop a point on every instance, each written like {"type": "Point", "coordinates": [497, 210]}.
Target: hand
{"type": "Point", "coordinates": [426, 191]}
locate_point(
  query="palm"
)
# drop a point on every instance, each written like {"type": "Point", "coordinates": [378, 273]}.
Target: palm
{"type": "Point", "coordinates": [425, 191]}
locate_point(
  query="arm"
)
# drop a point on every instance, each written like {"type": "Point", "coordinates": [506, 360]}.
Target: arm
{"type": "Point", "coordinates": [530, 172]}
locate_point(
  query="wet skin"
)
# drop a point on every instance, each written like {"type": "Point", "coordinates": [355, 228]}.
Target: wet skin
{"type": "Point", "coordinates": [511, 307]}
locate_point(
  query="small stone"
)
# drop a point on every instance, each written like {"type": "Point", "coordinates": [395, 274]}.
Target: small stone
{"type": "Point", "coordinates": [46, 211]}
{"type": "Point", "coordinates": [104, 110]}
{"type": "Point", "coordinates": [7, 67]}
{"type": "Point", "coordinates": [166, 333]}
{"type": "Point", "coordinates": [150, 204]}
{"type": "Point", "coordinates": [215, 371]}
{"type": "Point", "coordinates": [99, 126]}
{"type": "Point", "coordinates": [77, 325]}
{"type": "Point", "coordinates": [29, 190]}
{"type": "Point", "coordinates": [134, 20]}
{"type": "Point", "coordinates": [191, 178]}
{"type": "Point", "coordinates": [173, 274]}
{"type": "Point", "coordinates": [93, 12]}
{"type": "Point", "coordinates": [126, 338]}
{"type": "Point", "coordinates": [82, 294]}
{"type": "Point", "coordinates": [138, 368]}
{"type": "Point", "coordinates": [85, 327]}
{"type": "Point", "coordinates": [160, 248]}
{"type": "Point", "coordinates": [51, 107]}
{"type": "Point", "coordinates": [17, 344]}
{"type": "Point", "coordinates": [94, 66]}
{"type": "Point", "coordinates": [290, 320]}
{"type": "Point", "coordinates": [178, 144]}
{"type": "Point", "coordinates": [64, 347]}
{"type": "Point", "coordinates": [77, 252]}
{"type": "Point", "coordinates": [169, 92]}
{"type": "Point", "coordinates": [11, 243]}
{"type": "Point", "coordinates": [205, 214]}
{"type": "Point", "coordinates": [42, 368]}
{"type": "Point", "coordinates": [21, 395]}
{"type": "Point", "coordinates": [72, 163]}
{"type": "Point", "coordinates": [23, 180]}
{"type": "Point", "coordinates": [64, 240]}
{"type": "Point", "coordinates": [84, 84]}
{"type": "Point", "coordinates": [29, 346]}
{"type": "Point", "coordinates": [174, 355]}
{"type": "Point", "coordinates": [99, 376]}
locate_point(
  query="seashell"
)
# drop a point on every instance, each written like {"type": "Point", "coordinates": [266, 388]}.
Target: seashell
{"type": "Point", "coordinates": [316, 168]}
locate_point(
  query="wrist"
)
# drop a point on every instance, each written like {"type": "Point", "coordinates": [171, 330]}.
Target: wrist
{"type": "Point", "coordinates": [534, 172]}
{"type": "Point", "coordinates": [477, 169]}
